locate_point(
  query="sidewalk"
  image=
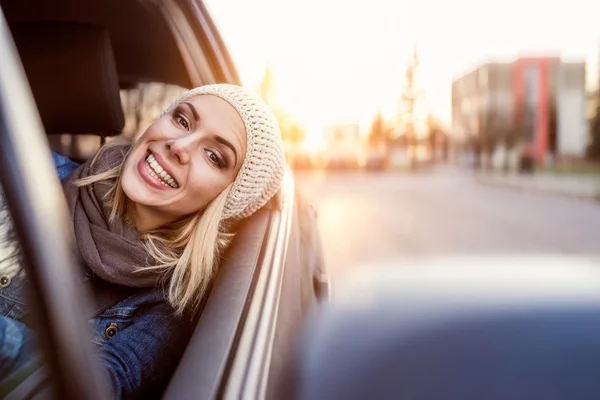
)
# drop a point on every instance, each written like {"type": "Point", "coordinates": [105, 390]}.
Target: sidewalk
{"type": "Point", "coordinates": [575, 186]}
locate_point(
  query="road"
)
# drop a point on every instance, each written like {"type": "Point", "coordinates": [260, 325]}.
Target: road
{"type": "Point", "coordinates": [365, 217]}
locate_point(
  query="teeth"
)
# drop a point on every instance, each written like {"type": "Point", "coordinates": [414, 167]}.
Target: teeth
{"type": "Point", "coordinates": [158, 172]}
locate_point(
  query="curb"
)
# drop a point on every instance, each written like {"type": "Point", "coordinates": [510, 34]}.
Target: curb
{"type": "Point", "coordinates": [539, 190]}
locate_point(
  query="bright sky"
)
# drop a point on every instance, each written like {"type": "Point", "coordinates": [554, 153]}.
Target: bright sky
{"type": "Point", "coordinates": [341, 60]}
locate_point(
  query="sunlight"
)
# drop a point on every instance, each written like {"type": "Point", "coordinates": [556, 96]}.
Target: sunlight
{"type": "Point", "coordinates": [313, 141]}
{"type": "Point", "coordinates": [350, 69]}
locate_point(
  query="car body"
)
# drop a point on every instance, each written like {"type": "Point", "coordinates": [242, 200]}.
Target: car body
{"type": "Point", "coordinates": [457, 328]}
{"type": "Point", "coordinates": [273, 271]}
{"type": "Point", "coordinates": [374, 159]}
{"type": "Point", "coordinates": [337, 158]}
{"type": "Point", "coordinates": [299, 159]}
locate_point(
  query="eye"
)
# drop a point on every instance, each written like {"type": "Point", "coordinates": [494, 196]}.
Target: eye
{"type": "Point", "coordinates": [214, 158]}
{"type": "Point", "coordinates": [182, 120]}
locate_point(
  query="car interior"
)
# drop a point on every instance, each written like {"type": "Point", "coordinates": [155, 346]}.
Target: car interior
{"type": "Point", "coordinates": [78, 58]}
{"type": "Point", "coordinates": [137, 42]}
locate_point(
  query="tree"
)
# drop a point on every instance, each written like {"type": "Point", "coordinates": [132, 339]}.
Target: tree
{"type": "Point", "coordinates": [410, 96]}
{"type": "Point", "coordinates": [296, 133]}
{"type": "Point", "coordinates": [291, 130]}
{"type": "Point", "coordinates": [267, 86]}
{"type": "Point", "coordinates": [377, 132]}
{"type": "Point", "coordinates": [594, 147]}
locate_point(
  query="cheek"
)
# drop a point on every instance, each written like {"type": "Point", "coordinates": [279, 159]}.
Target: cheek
{"type": "Point", "coordinates": [205, 183]}
{"type": "Point", "coordinates": [129, 180]}
{"type": "Point", "coordinates": [133, 186]}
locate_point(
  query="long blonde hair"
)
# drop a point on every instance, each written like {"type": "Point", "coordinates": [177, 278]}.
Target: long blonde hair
{"type": "Point", "coordinates": [186, 252]}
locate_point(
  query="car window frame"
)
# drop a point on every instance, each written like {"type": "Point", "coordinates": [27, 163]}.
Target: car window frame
{"type": "Point", "coordinates": [246, 369]}
{"type": "Point", "coordinates": [37, 207]}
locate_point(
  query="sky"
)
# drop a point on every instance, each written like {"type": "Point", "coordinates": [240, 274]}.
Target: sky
{"type": "Point", "coordinates": [342, 61]}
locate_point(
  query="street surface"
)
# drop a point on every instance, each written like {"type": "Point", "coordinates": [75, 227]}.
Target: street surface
{"type": "Point", "coordinates": [373, 216]}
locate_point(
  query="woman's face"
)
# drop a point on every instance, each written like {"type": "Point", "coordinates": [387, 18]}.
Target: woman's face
{"type": "Point", "coordinates": [184, 160]}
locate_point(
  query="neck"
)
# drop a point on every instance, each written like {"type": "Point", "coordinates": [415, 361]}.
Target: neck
{"type": "Point", "coordinates": [146, 219]}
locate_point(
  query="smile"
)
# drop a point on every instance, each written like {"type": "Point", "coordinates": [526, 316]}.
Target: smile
{"type": "Point", "coordinates": [158, 172]}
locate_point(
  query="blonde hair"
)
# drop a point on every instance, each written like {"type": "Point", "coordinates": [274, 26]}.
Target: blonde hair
{"type": "Point", "coordinates": [186, 252]}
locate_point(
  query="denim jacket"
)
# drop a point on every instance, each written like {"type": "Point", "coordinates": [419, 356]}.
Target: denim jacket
{"type": "Point", "coordinates": [139, 340]}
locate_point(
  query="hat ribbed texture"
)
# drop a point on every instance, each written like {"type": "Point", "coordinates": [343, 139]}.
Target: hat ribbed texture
{"type": "Point", "coordinates": [261, 172]}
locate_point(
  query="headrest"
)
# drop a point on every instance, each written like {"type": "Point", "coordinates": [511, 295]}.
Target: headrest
{"type": "Point", "coordinates": [72, 73]}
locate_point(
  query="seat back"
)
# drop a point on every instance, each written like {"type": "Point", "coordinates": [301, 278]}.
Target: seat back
{"type": "Point", "coordinates": [73, 77]}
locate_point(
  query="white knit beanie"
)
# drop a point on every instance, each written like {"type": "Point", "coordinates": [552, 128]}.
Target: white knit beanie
{"type": "Point", "coordinates": [261, 173]}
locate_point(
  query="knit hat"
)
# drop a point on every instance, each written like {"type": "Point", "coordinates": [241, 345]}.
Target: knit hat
{"type": "Point", "coordinates": [261, 173]}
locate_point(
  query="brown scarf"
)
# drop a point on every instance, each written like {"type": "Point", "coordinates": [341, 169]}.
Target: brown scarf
{"type": "Point", "coordinates": [112, 251]}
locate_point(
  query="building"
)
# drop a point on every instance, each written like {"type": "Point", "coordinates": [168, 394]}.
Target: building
{"type": "Point", "coordinates": [535, 106]}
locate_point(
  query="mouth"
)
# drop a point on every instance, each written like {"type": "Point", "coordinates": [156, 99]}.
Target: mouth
{"type": "Point", "coordinates": [158, 172]}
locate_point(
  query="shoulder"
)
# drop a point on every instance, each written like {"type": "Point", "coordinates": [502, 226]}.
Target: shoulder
{"type": "Point", "coordinates": [59, 159]}
{"type": "Point", "coordinates": [64, 166]}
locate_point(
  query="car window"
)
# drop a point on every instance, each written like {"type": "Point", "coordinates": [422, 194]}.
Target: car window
{"type": "Point", "coordinates": [141, 104]}
{"type": "Point", "coordinates": [144, 103]}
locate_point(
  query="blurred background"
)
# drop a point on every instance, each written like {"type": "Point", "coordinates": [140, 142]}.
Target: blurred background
{"type": "Point", "coordinates": [426, 128]}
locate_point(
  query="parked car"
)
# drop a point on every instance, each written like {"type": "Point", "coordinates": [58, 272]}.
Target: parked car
{"type": "Point", "coordinates": [374, 159]}
{"type": "Point", "coordinates": [54, 79]}
{"type": "Point", "coordinates": [299, 159]}
{"type": "Point", "coordinates": [338, 159]}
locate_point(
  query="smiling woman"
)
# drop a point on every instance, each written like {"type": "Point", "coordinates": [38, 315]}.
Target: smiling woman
{"type": "Point", "coordinates": [183, 161]}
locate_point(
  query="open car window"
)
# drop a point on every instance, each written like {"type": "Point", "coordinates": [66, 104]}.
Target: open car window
{"type": "Point", "coordinates": [143, 103]}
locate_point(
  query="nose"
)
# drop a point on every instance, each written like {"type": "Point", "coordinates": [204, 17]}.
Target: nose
{"type": "Point", "coordinates": [183, 147]}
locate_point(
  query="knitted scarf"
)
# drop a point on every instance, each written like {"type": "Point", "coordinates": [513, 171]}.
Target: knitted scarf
{"type": "Point", "coordinates": [111, 250]}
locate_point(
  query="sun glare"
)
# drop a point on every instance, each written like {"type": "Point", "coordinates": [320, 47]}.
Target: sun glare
{"type": "Point", "coordinates": [339, 66]}
{"type": "Point", "coordinates": [313, 141]}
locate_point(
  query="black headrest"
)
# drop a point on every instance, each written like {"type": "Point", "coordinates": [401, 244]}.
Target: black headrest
{"type": "Point", "coordinates": [72, 73]}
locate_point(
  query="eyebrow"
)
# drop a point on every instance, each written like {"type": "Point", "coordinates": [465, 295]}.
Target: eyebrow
{"type": "Point", "coordinates": [194, 111]}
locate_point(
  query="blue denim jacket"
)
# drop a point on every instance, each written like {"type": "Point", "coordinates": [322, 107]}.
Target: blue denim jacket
{"type": "Point", "coordinates": [139, 340]}
{"type": "Point", "coordinates": [64, 166]}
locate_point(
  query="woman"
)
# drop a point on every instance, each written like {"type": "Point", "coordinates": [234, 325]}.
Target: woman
{"type": "Point", "coordinates": [155, 216]}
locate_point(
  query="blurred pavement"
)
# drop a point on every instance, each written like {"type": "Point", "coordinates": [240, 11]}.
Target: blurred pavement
{"type": "Point", "coordinates": [365, 217]}
{"type": "Point", "coordinates": [581, 186]}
